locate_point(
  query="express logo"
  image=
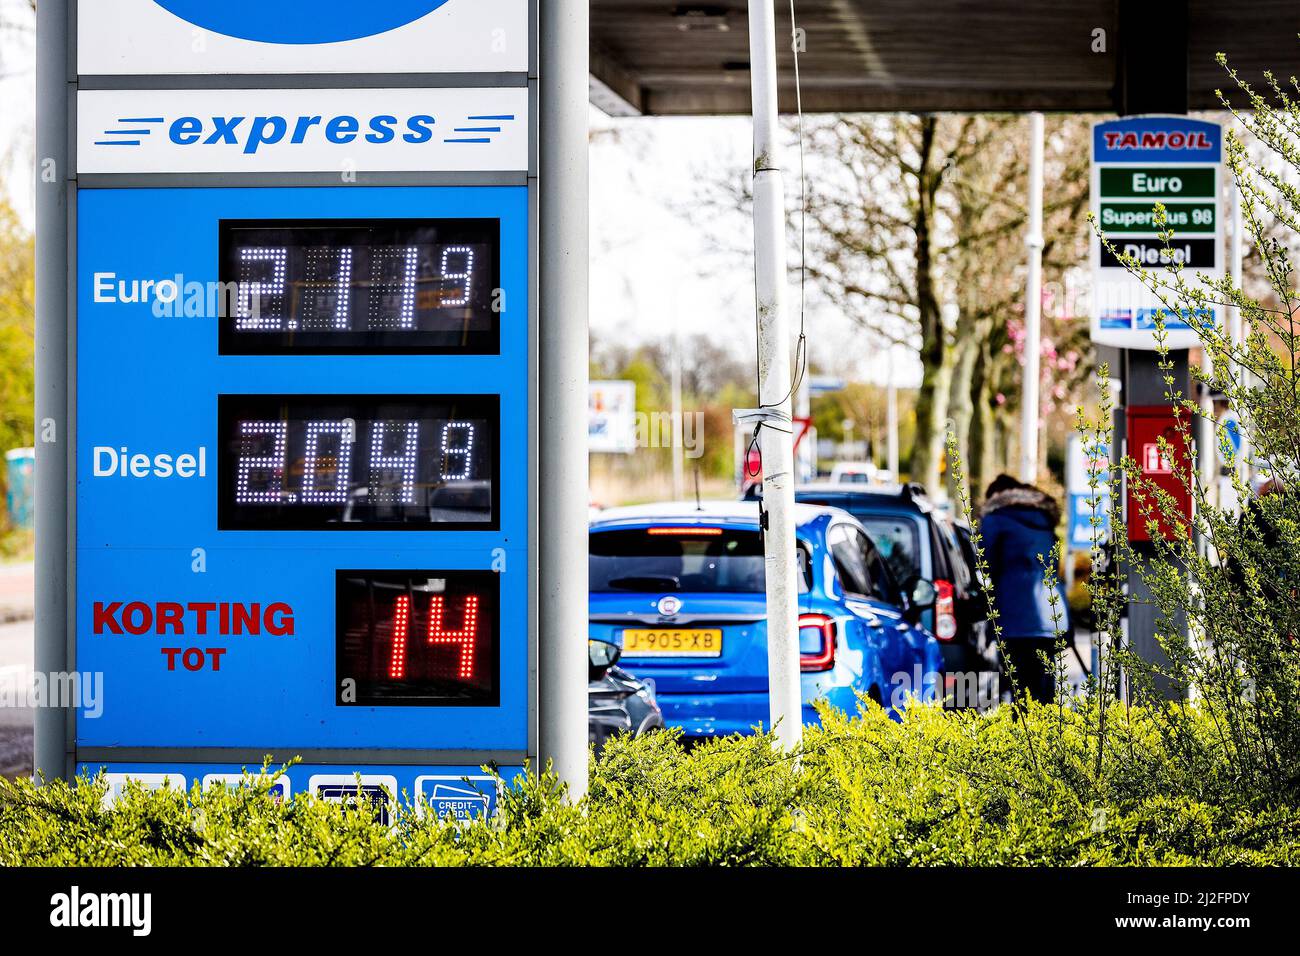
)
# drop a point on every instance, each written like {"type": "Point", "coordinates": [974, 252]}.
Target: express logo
{"type": "Point", "coordinates": [300, 21]}
{"type": "Point", "coordinates": [251, 134]}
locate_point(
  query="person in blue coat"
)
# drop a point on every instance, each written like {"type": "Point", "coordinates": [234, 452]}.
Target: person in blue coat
{"type": "Point", "coordinates": [1018, 524]}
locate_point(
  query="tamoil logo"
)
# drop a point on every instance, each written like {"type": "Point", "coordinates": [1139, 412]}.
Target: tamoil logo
{"type": "Point", "coordinates": [300, 21]}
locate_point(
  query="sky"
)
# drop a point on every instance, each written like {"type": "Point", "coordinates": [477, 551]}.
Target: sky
{"type": "Point", "coordinates": [17, 104]}
{"type": "Point", "coordinates": [667, 250]}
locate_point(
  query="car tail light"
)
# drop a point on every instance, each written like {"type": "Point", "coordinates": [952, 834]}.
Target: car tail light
{"type": "Point", "coordinates": [816, 642]}
{"type": "Point", "coordinates": [945, 611]}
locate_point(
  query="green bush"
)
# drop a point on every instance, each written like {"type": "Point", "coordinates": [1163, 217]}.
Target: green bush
{"type": "Point", "coordinates": [939, 788]}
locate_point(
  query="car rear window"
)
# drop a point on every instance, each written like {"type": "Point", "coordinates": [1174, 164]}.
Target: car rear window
{"type": "Point", "coordinates": [898, 541]}
{"type": "Point", "coordinates": [690, 558]}
{"type": "Point", "coordinates": [963, 571]}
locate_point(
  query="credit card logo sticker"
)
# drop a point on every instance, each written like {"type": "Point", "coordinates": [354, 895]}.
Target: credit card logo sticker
{"type": "Point", "coordinates": [456, 798]}
{"type": "Point", "coordinates": [300, 21]}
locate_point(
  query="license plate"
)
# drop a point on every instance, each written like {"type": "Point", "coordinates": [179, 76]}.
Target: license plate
{"type": "Point", "coordinates": [672, 642]}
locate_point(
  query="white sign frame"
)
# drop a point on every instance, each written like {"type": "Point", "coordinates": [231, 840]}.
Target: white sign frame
{"type": "Point", "coordinates": [139, 38]}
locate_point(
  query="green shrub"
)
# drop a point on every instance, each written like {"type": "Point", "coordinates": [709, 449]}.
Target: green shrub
{"type": "Point", "coordinates": [939, 788]}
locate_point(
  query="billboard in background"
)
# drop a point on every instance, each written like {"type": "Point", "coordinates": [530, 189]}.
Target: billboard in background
{"type": "Point", "coordinates": [611, 417]}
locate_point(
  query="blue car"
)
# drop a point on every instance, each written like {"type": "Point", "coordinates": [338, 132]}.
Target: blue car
{"type": "Point", "coordinates": [680, 588]}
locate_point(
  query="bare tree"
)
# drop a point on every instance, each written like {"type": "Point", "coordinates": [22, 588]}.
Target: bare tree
{"type": "Point", "coordinates": [915, 232]}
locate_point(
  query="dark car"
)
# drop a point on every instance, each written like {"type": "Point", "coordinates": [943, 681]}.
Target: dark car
{"type": "Point", "coordinates": [617, 702]}
{"type": "Point", "coordinates": [921, 542]}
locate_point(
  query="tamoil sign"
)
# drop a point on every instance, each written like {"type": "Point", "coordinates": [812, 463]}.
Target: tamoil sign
{"type": "Point", "coordinates": [1136, 163]}
{"type": "Point", "coordinates": [303, 463]}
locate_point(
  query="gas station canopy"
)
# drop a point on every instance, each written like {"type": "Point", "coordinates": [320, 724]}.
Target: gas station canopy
{"type": "Point", "coordinates": [661, 58]}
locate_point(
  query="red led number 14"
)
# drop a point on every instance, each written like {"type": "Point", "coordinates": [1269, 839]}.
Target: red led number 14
{"type": "Point", "coordinates": [438, 634]}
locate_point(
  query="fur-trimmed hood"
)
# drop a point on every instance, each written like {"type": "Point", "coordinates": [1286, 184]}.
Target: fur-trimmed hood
{"type": "Point", "coordinates": [1030, 498]}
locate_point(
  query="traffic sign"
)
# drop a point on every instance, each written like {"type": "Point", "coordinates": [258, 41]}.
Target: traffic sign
{"type": "Point", "coordinates": [1233, 440]}
{"type": "Point", "coordinates": [1138, 162]}
{"type": "Point", "coordinates": [1089, 520]}
{"type": "Point", "coordinates": [1087, 486]}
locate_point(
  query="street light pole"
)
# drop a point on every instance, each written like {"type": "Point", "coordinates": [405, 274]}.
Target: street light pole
{"type": "Point", "coordinates": [679, 434]}
{"type": "Point", "coordinates": [775, 385]}
{"type": "Point", "coordinates": [50, 729]}
{"type": "Point", "coordinates": [1033, 306]}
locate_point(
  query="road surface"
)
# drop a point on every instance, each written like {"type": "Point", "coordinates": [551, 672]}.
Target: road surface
{"type": "Point", "coordinates": [16, 637]}
{"type": "Point", "coordinates": [15, 722]}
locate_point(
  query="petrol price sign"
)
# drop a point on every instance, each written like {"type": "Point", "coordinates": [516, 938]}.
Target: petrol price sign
{"type": "Point", "coordinates": [1139, 162]}
{"type": "Point", "coordinates": [304, 456]}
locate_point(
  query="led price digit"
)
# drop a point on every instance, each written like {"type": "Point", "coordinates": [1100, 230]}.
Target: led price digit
{"type": "Point", "coordinates": [392, 305]}
{"type": "Point", "coordinates": [464, 450]}
{"type": "Point", "coordinates": [265, 469]}
{"type": "Point", "coordinates": [340, 462]}
{"type": "Point", "coordinates": [385, 464]}
{"type": "Point", "coordinates": [260, 302]}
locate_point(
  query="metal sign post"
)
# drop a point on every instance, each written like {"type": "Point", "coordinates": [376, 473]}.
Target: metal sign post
{"type": "Point", "coordinates": [1029, 404]}
{"type": "Point", "coordinates": [1137, 162]}
{"type": "Point", "coordinates": [293, 303]}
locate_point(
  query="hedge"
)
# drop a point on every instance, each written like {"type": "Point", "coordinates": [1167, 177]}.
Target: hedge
{"type": "Point", "coordinates": [1010, 787]}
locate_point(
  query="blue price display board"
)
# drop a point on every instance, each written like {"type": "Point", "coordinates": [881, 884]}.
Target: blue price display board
{"type": "Point", "coordinates": [303, 474]}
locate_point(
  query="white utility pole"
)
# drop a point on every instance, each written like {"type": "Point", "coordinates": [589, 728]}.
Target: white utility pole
{"type": "Point", "coordinates": [562, 445]}
{"type": "Point", "coordinates": [776, 439]}
{"type": "Point", "coordinates": [1033, 306]}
